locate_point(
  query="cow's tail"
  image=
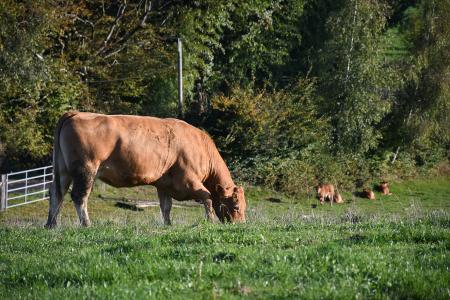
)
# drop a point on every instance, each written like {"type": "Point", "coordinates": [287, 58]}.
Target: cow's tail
{"type": "Point", "coordinates": [56, 193]}
{"type": "Point", "coordinates": [57, 151]}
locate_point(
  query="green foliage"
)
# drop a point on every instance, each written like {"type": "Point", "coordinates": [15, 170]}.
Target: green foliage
{"type": "Point", "coordinates": [267, 132]}
{"type": "Point", "coordinates": [261, 36]}
{"type": "Point", "coordinates": [270, 124]}
{"type": "Point", "coordinates": [86, 56]}
{"type": "Point", "coordinates": [333, 91]}
{"type": "Point", "coordinates": [32, 95]}
{"type": "Point", "coordinates": [201, 26]}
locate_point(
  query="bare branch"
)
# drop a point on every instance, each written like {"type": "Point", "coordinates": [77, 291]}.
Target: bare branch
{"type": "Point", "coordinates": [115, 52]}
{"type": "Point", "coordinates": [84, 21]}
{"type": "Point", "coordinates": [129, 34]}
{"type": "Point", "coordinates": [63, 46]}
{"type": "Point", "coordinates": [120, 13]}
{"type": "Point", "coordinates": [75, 17]}
{"type": "Point", "coordinates": [147, 9]}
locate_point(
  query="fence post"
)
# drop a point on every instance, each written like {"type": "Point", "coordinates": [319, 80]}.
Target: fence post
{"type": "Point", "coordinates": [180, 79]}
{"type": "Point", "coordinates": [3, 193]}
{"type": "Point", "coordinates": [43, 186]}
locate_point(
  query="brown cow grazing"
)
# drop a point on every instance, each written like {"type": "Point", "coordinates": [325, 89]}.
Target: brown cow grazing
{"type": "Point", "coordinates": [180, 160]}
{"type": "Point", "coordinates": [369, 194]}
{"type": "Point", "coordinates": [384, 188]}
{"type": "Point", "coordinates": [325, 191]}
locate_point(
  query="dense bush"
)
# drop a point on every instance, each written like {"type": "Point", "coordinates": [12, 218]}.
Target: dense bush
{"type": "Point", "coordinates": [265, 133]}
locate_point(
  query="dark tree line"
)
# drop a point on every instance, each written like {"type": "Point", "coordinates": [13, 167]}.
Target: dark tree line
{"type": "Point", "coordinates": [344, 90]}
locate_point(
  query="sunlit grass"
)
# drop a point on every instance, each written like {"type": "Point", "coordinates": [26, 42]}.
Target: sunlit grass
{"type": "Point", "coordinates": [394, 247]}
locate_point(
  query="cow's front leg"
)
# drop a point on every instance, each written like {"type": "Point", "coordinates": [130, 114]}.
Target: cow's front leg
{"type": "Point", "coordinates": [321, 199]}
{"type": "Point", "coordinates": [201, 193]}
{"type": "Point", "coordinates": [165, 203]}
{"type": "Point", "coordinates": [219, 213]}
{"type": "Point", "coordinates": [209, 212]}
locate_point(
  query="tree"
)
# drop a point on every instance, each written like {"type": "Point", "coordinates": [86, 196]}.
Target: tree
{"type": "Point", "coordinates": [354, 79]}
{"type": "Point", "coordinates": [86, 55]}
{"type": "Point", "coordinates": [235, 43]}
{"type": "Point", "coordinates": [419, 121]}
{"type": "Point", "coordinates": [31, 92]}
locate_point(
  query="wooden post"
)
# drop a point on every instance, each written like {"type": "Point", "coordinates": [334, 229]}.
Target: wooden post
{"type": "Point", "coordinates": [180, 79]}
{"type": "Point", "coordinates": [3, 193]}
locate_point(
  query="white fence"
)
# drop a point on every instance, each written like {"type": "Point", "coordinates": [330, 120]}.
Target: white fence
{"type": "Point", "coordinates": [24, 187]}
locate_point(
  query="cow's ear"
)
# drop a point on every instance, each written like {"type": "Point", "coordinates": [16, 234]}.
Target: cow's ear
{"type": "Point", "coordinates": [238, 189]}
{"type": "Point", "coordinates": [220, 189]}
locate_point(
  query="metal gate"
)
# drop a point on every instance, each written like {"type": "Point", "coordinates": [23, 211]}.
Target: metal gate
{"type": "Point", "coordinates": [24, 187]}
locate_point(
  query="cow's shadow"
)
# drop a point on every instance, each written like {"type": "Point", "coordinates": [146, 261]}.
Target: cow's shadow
{"type": "Point", "coordinates": [274, 200]}
{"type": "Point", "coordinates": [360, 195]}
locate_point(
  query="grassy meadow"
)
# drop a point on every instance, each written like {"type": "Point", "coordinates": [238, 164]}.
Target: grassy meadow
{"type": "Point", "coordinates": [397, 247]}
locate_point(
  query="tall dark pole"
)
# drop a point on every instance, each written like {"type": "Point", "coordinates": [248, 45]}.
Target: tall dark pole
{"type": "Point", "coordinates": [180, 79]}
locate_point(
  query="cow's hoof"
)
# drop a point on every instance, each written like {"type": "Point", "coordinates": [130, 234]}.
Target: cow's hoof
{"type": "Point", "coordinates": [50, 225]}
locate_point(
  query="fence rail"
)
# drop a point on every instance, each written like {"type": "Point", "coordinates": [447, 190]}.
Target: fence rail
{"type": "Point", "coordinates": [24, 187]}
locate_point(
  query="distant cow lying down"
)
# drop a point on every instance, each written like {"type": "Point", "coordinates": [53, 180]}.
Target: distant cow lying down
{"type": "Point", "coordinates": [180, 160]}
{"type": "Point", "coordinates": [368, 193]}
{"type": "Point", "coordinates": [338, 198]}
{"type": "Point", "coordinates": [326, 192]}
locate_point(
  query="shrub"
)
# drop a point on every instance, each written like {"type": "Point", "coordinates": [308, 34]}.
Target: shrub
{"type": "Point", "coordinates": [269, 136]}
{"type": "Point", "coordinates": [268, 124]}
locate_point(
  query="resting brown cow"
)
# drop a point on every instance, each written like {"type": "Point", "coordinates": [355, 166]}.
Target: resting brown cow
{"type": "Point", "coordinates": [325, 191]}
{"type": "Point", "coordinates": [338, 198]}
{"type": "Point", "coordinates": [180, 160]}
{"type": "Point", "coordinates": [369, 194]}
{"type": "Point", "coordinates": [384, 188]}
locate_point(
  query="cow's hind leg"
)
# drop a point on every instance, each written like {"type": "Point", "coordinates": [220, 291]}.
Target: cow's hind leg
{"type": "Point", "coordinates": [83, 180]}
{"type": "Point", "coordinates": [56, 199]}
{"type": "Point", "coordinates": [165, 203]}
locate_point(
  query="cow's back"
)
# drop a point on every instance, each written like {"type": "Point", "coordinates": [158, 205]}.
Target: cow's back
{"type": "Point", "coordinates": [133, 150]}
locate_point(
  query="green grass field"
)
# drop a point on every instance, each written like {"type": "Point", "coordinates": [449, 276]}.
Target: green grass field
{"type": "Point", "coordinates": [394, 247]}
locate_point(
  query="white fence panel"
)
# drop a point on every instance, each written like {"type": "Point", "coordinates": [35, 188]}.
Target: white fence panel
{"type": "Point", "coordinates": [24, 187]}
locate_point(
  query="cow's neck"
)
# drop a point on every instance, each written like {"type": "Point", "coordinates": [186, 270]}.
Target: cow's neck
{"type": "Point", "coordinates": [219, 174]}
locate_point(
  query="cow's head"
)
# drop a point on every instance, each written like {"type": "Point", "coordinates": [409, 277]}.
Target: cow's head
{"type": "Point", "coordinates": [232, 203]}
{"type": "Point", "coordinates": [319, 188]}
